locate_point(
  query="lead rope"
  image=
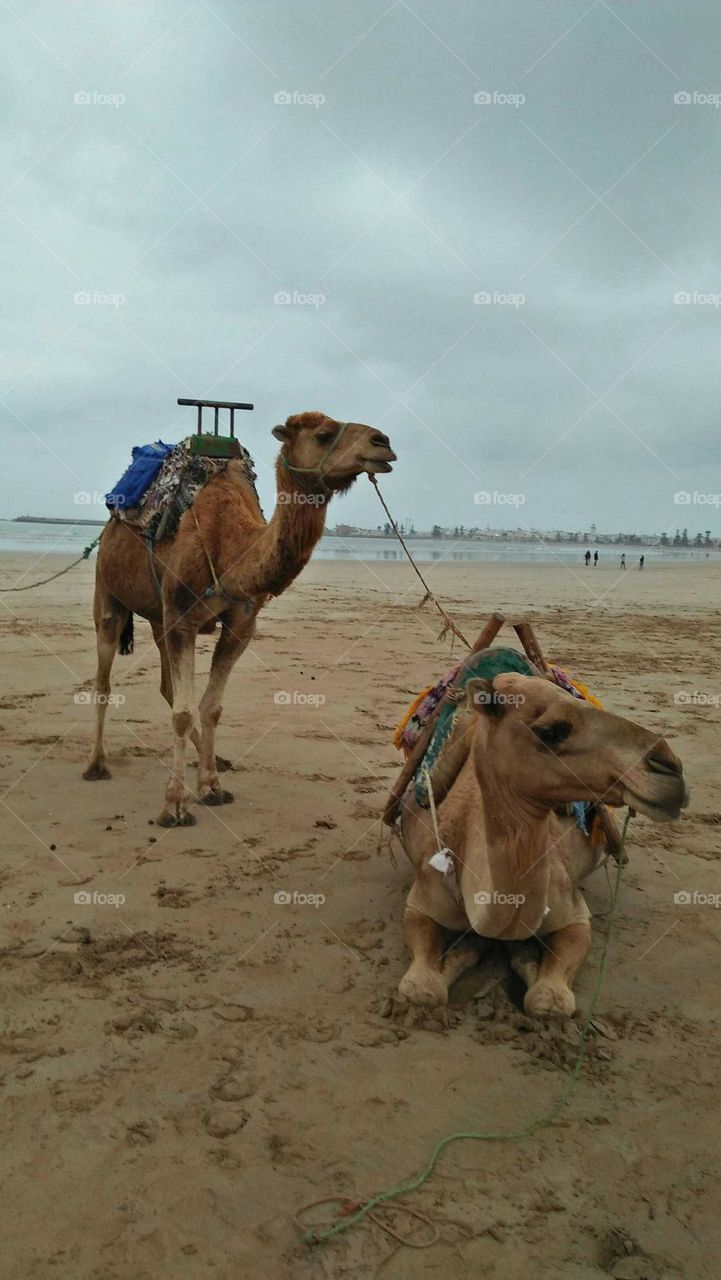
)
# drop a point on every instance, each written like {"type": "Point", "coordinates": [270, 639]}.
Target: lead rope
{"type": "Point", "coordinates": [449, 624]}
{"type": "Point", "coordinates": [353, 1215]}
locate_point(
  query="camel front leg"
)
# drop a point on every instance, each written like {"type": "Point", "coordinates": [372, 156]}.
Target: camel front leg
{"type": "Point", "coordinates": [231, 643]}
{"type": "Point", "coordinates": [551, 994]}
{"type": "Point", "coordinates": [166, 689]}
{"type": "Point", "coordinates": [181, 654]}
{"type": "Point", "coordinates": [424, 982]}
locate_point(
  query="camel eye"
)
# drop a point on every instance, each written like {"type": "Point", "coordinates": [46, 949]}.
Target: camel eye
{"type": "Point", "coordinates": [551, 735]}
{"type": "Point", "coordinates": [325, 437]}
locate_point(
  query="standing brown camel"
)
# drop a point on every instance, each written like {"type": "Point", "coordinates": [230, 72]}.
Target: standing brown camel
{"type": "Point", "coordinates": [222, 565]}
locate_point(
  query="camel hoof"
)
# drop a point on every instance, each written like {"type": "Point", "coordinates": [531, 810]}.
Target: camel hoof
{"type": "Point", "coordinates": [96, 773]}
{"type": "Point", "coordinates": [177, 820]}
{"type": "Point", "coordinates": [223, 765]}
{"type": "Point", "coordinates": [217, 797]}
{"type": "Point", "coordinates": [425, 989]}
{"type": "Point", "coordinates": [544, 1001]}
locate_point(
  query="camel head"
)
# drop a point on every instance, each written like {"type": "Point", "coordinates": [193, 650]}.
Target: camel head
{"type": "Point", "coordinates": [330, 455]}
{"type": "Point", "coordinates": [549, 748]}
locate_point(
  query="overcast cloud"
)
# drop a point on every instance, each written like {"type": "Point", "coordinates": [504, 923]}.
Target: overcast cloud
{"type": "Point", "coordinates": [177, 183]}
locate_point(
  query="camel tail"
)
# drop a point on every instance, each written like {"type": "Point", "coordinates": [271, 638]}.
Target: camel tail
{"type": "Point", "coordinates": [126, 637]}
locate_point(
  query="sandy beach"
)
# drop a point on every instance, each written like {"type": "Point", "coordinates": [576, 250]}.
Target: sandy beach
{"type": "Point", "coordinates": [190, 1057]}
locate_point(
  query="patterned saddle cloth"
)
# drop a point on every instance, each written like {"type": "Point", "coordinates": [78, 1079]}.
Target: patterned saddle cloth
{"type": "Point", "coordinates": [176, 486]}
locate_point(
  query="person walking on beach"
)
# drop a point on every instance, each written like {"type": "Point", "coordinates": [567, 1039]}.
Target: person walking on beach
{"type": "Point", "coordinates": [641, 562]}
{"type": "Point", "coordinates": [623, 560]}
{"type": "Point", "coordinates": [587, 558]}
{"type": "Point", "coordinates": [595, 559]}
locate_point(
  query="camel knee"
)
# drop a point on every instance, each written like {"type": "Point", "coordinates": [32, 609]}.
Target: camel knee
{"type": "Point", "coordinates": [210, 714]}
{"type": "Point", "coordinates": [182, 723]}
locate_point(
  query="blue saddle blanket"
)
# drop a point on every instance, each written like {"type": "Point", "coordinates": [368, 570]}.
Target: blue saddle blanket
{"type": "Point", "coordinates": [147, 461]}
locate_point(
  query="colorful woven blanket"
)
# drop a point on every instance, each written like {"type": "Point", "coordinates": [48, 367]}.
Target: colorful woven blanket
{"type": "Point", "coordinates": [487, 664]}
{"type": "Point", "coordinates": [176, 486]}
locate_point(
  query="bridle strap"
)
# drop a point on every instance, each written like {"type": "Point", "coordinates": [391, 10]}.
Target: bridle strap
{"type": "Point", "coordinates": [317, 469]}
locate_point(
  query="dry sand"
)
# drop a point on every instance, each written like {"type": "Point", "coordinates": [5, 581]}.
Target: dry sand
{"type": "Point", "coordinates": [183, 1071]}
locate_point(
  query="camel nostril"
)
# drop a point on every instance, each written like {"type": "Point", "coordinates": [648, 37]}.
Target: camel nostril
{"type": "Point", "coordinates": [380, 441]}
{"type": "Point", "coordinates": [664, 764]}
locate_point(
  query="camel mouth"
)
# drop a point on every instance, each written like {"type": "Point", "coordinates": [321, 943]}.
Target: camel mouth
{"type": "Point", "coordinates": [380, 466]}
{"type": "Point", "coordinates": [656, 811]}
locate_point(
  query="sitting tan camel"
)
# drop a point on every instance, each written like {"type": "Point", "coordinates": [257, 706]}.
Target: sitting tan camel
{"type": "Point", "coordinates": [222, 565]}
{"type": "Point", "coordinates": [520, 748]}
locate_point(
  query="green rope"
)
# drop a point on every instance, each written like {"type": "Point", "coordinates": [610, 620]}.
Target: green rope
{"type": "Point", "coordinates": [30, 585]}
{"type": "Point", "coordinates": [412, 1184]}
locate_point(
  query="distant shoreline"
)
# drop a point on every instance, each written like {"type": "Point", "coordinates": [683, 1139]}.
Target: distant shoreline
{"type": "Point", "coordinates": [53, 520]}
{"type": "Point", "coordinates": [603, 540]}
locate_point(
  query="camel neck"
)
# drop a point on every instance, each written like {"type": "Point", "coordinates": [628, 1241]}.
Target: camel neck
{"type": "Point", "coordinates": [515, 832]}
{"type": "Point", "coordinates": [293, 531]}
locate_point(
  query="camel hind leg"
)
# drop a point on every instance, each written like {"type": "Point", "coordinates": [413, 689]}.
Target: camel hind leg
{"type": "Point", "coordinates": [112, 620]}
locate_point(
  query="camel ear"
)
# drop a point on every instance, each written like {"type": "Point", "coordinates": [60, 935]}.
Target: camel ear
{"type": "Point", "coordinates": [283, 432]}
{"type": "Point", "coordinates": [483, 698]}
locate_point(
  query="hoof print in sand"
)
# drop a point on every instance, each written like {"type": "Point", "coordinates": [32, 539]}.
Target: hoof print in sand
{"type": "Point", "coordinates": [234, 1013]}
{"type": "Point", "coordinates": [234, 1087]}
{"type": "Point", "coordinates": [221, 1122]}
{"type": "Point", "coordinates": [136, 1024]}
{"type": "Point", "coordinates": [168, 896]}
{"type": "Point", "coordinates": [141, 1133]}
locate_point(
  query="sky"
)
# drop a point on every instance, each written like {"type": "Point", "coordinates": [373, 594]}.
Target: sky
{"type": "Point", "coordinates": [491, 229]}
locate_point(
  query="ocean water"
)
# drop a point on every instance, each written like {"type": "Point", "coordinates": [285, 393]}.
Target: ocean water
{"type": "Point", "coordinates": [71, 539]}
